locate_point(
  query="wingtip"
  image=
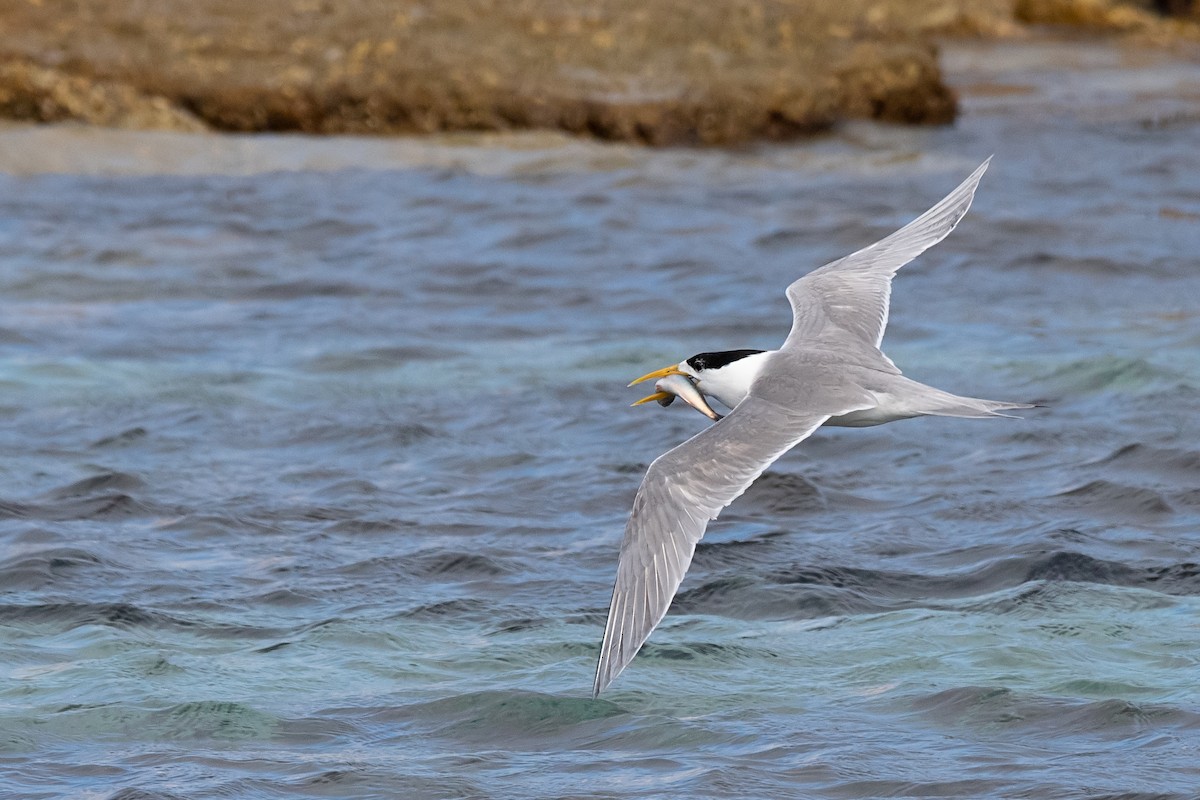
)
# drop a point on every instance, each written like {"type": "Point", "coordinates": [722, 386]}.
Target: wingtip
{"type": "Point", "coordinates": [604, 665]}
{"type": "Point", "coordinates": [966, 190]}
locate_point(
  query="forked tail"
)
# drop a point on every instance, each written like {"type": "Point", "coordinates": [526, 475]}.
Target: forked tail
{"type": "Point", "coordinates": [926, 400]}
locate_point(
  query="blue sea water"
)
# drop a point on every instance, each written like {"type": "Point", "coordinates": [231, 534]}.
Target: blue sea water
{"type": "Point", "coordinates": [317, 456]}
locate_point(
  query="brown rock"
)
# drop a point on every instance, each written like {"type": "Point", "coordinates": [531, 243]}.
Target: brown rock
{"type": "Point", "coordinates": [38, 94]}
{"type": "Point", "coordinates": [895, 86]}
{"type": "Point", "coordinates": [1144, 19]}
{"type": "Point", "coordinates": [1096, 14]}
{"type": "Point", "coordinates": [655, 71]}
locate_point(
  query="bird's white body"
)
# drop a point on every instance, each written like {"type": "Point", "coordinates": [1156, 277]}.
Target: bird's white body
{"type": "Point", "coordinates": [893, 397]}
{"type": "Point", "coordinates": [829, 371]}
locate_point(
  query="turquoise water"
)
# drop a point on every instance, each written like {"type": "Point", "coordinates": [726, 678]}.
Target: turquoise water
{"type": "Point", "coordinates": [318, 453]}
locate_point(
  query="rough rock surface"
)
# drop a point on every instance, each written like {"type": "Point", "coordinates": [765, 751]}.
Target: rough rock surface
{"type": "Point", "coordinates": [657, 71]}
{"type": "Point", "coordinates": [30, 92]}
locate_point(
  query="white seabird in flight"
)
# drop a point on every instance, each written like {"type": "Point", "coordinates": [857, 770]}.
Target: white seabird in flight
{"type": "Point", "coordinates": [829, 371]}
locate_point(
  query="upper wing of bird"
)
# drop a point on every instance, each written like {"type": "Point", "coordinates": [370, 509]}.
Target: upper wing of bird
{"type": "Point", "coordinates": [683, 489]}
{"type": "Point", "coordinates": [852, 293]}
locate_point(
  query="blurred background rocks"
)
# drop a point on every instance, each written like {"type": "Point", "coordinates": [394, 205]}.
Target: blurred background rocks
{"type": "Point", "coordinates": [654, 71]}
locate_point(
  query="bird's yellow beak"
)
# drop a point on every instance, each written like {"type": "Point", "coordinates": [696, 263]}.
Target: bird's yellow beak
{"type": "Point", "coordinates": [659, 373]}
{"type": "Point", "coordinates": [659, 396]}
{"type": "Point", "coordinates": [674, 383]}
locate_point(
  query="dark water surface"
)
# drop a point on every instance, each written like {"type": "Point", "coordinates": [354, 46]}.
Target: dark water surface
{"type": "Point", "coordinates": [317, 456]}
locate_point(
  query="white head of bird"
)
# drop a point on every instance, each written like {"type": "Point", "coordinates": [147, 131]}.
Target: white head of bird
{"type": "Point", "coordinates": [724, 376]}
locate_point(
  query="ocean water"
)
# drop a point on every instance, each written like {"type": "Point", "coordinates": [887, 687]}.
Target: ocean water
{"type": "Point", "coordinates": [317, 455]}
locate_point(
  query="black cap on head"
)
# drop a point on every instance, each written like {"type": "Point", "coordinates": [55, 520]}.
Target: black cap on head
{"type": "Point", "coordinates": [719, 359]}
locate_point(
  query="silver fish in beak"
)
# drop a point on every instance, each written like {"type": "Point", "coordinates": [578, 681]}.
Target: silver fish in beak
{"type": "Point", "coordinates": [680, 385]}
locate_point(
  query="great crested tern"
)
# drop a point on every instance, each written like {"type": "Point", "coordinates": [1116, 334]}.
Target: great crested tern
{"type": "Point", "coordinates": [829, 371]}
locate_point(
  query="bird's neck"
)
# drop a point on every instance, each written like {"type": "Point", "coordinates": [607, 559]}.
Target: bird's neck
{"type": "Point", "coordinates": [731, 383]}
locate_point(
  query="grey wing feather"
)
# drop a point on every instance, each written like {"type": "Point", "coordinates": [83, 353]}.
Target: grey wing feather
{"type": "Point", "coordinates": [852, 294]}
{"type": "Point", "coordinates": [684, 489]}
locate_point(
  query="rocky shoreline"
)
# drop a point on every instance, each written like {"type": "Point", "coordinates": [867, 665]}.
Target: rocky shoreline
{"type": "Point", "coordinates": [652, 71]}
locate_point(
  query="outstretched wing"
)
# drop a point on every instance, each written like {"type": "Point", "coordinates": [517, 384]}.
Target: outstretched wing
{"type": "Point", "coordinates": [684, 489]}
{"type": "Point", "coordinates": [852, 294]}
